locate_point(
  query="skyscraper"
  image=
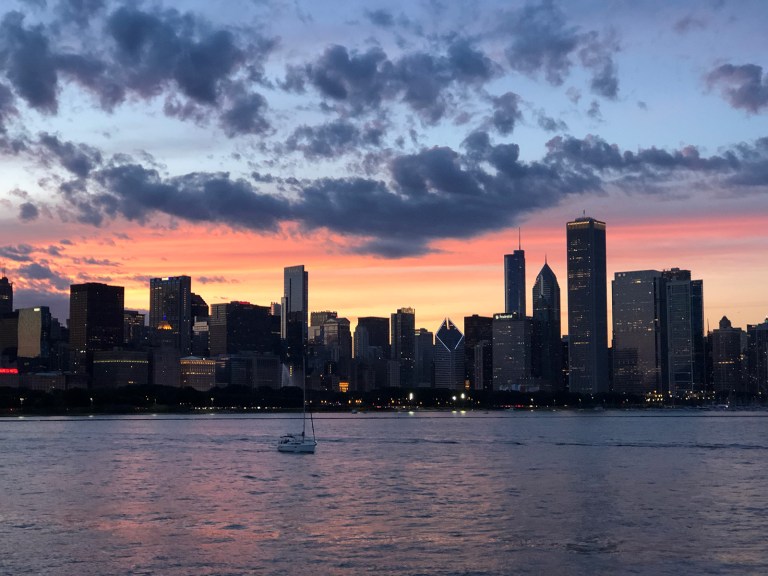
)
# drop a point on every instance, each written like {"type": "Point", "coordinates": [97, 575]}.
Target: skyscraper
{"type": "Point", "coordinates": [295, 303]}
{"type": "Point", "coordinates": [477, 329]}
{"type": "Point", "coordinates": [511, 352]}
{"type": "Point", "coordinates": [514, 282]}
{"type": "Point", "coordinates": [685, 331]}
{"type": "Point", "coordinates": [170, 300]}
{"type": "Point", "coordinates": [757, 358]}
{"type": "Point", "coordinates": [375, 330]}
{"type": "Point", "coordinates": [424, 345]}
{"type": "Point", "coordinates": [639, 332]}
{"type": "Point", "coordinates": [587, 306]}
{"type": "Point", "coordinates": [95, 322]}
{"type": "Point", "coordinates": [449, 356]}
{"type": "Point", "coordinates": [242, 327]}
{"type": "Point", "coordinates": [6, 295]}
{"type": "Point", "coordinates": [34, 338]}
{"type": "Point", "coordinates": [546, 347]}
{"type": "Point", "coordinates": [403, 344]}
{"type": "Point", "coordinates": [728, 349]}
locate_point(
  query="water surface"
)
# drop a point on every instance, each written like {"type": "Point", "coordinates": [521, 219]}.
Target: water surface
{"type": "Point", "coordinates": [430, 493]}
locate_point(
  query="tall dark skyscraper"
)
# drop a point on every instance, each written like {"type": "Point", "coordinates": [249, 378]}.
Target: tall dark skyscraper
{"type": "Point", "coordinates": [376, 335]}
{"type": "Point", "coordinates": [757, 358]}
{"type": "Point", "coordinates": [685, 331]}
{"type": "Point", "coordinates": [511, 352]}
{"type": "Point", "coordinates": [587, 306]}
{"type": "Point", "coordinates": [514, 282]}
{"type": "Point", "coordinates": [6, 295]}
{"type": "Point", "coordinates": [295, 302]}
{"type": "Point", "coordinates": [242, 327]}
{"type": "Point", "coordinates": [449, 356]}
{"type": "Point", "coordinates": [546, 346]}
{"type": "Point", "coordinates": [477, 330]}
{"type": "Point", "coordinates": [170, 300]}
{"type": "Point", "coordinates": [639, 332]}
{"type": "Point", "coordinates": [403, 344]}
{"type": "Point", "coordinates": [95, 322]}
{"type": "Point", "coordinates": [728, 349]}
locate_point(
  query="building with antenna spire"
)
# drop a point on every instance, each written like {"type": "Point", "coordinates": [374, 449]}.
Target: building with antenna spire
{"type": "Point", "coordinates": [514, 280]}
{"type": "Point", "coordinates": [546, 347]}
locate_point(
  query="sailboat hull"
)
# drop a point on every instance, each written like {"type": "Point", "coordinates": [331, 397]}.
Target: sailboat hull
{"type": "Point", "coordinates": [296, 445]}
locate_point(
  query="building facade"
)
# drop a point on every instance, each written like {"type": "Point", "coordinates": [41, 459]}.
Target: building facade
{"type": "Point", "coordinates": [449, 356]}
{"type": "Point", "coordinates": [403, 343]}
{"type": "Point", "coordinates": [6, 295]}
{"type": "Point", "coordinates": [95, 322]}
{"type": "Point", "coordinates": [546, 347]}
{"type": "Point", "coordinates": [587, 306]}
{"type": "Point", "coordinates": [685, 332]}
{"type": "Point", "coordinates": [514, 282]}
{"type": "Point", "coordinates": [512, 352]}
{"type": "Point", "coordinates": [639, 334]}
{"type": "Point", "coordinates": [170, 300]}
{"type": "Point", "coordinates": [477, 329]}
{"type": "Point", "coordinates": [728, 356]}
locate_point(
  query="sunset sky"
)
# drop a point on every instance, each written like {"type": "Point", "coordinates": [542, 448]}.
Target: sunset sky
{"type": "Point", "coordinates": [393, 148]}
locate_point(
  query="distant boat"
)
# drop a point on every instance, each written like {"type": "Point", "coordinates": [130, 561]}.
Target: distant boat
{"type": "Point", "coordinates": [299, 443]}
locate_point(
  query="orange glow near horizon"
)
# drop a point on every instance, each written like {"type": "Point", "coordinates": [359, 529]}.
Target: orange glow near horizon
{"type": "Point", "coordinates": [460, 278]}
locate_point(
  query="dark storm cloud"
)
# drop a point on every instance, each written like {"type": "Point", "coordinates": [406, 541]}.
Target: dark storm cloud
{"type": "Point", "coordinates": [202, 71]}
{"type": "Point", "coordinates": [434, 194]}
{"type": "Point", "coordinates": [744, 166]}
{"type": "Point", "coordinates": [327, 141]}
{"type": "Point", "coordinates": [544, 42]}
{"type": "Point", "coordinates": [360, 79]}
{"type": "Point", "coordinates": [28, 212]}
{"type": "Point", "coordinates": [7, 106]}
{"type": "Point", "coordinates": [422, 80]}
{"type": "Point", "coordinates": [79, 159]}
{"type": "Point", "coordinates": [37, 271]}
{"type": "Point", "coordinates": [157, 48]}
{"type": "Point", "coordinates": [135, 192]}
{"type": "Point", "coordinates": [743, 86]}
{"type": "Point", "coordinates": [437, 193]}
{"type": "Point", "coordinates": [246, 115]}
{"type": "Point", "coordinates": [18, 253]}
{"type": "Point", "coordinates": [551, 124]}
{"type": "Point", "coordinates": [506, 112]}
{"type": "Point", "coordinates": [26, 56]}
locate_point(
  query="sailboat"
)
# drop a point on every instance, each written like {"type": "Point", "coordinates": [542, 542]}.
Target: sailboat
{"type": "Point", "coordinates": [300, 443]}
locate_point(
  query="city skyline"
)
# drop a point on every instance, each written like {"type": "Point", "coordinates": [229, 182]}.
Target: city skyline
{"type": "Point", "coordinates": [393, 153]}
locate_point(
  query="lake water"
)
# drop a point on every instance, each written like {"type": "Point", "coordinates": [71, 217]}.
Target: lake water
{"type": "Point", "coordinates": [433, 493]}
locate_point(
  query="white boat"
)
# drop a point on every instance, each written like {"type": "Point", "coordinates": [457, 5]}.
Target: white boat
{"type": "Point", "coordinates": [299, 443]}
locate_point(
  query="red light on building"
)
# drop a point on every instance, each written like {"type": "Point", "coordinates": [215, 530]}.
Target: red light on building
{"type": "Point", "coordinates": [9, 370]}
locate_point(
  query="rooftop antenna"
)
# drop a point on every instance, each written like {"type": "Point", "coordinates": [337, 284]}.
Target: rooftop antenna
{"type": "Point", "coordinates": [519, 241]}
{"type": "Point", "coordinates": [545, 257]}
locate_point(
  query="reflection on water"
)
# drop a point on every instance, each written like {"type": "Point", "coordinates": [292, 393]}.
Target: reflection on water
{"type": "Point", "coordinates": [495, 493]}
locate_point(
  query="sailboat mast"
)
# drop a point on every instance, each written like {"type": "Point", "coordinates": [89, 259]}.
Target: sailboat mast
{"type": "Point", "coordinates": [303, 395]}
